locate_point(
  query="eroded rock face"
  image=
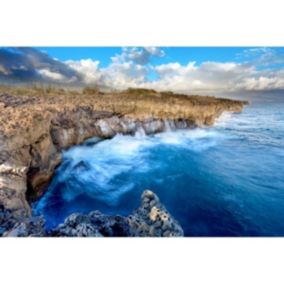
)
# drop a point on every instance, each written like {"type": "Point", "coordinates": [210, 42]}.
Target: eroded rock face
{"type": "Point", "coordinates": [20, 226]}
{"type": "Point", "coordinates": [35, 129]}
{"type": "Point", "coordinates": [32, 227]}
{"type": "Point", "coordinates": [95, 224]}
{"type": "Point", "coordinates": [12, 196]}
{"type": "Point", "coordinates": [151, 219]}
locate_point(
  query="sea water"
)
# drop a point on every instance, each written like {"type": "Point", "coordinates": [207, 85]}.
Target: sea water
{"type": "Point", "coordinates": [225, 180]}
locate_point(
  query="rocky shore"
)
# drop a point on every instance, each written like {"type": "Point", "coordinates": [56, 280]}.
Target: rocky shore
{"type": "Point", "coordinates": [36, 128]}
{"type": "Point", "coordinates": [151, 219]}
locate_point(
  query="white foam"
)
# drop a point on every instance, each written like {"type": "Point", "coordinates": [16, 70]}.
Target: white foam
{"type": "Point", "coordinates": [194, 140]}
{"type": "Point", "coordinates": [224, 118]}
{"type": "Point", "coordinates": [102, 163]}
{"type": "Point", "coordinates": [140, 132]}
{"type": "Point", "coordinates": [95, 170]}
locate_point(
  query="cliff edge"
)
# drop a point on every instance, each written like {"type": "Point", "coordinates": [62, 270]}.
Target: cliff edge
{"type": "Point", "coordinates": [36, 127]}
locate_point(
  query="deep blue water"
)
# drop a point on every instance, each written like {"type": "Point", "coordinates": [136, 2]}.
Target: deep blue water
{"type": "Point", "coordinates": [227, 180]}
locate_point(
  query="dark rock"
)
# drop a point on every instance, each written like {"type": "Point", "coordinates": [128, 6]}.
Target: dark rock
{"type": "Point", "coordinates": [82, 165]}
{"type": "Point", "coordinates": [7, 220]}
{"type": "Point", "coordinates": [33, 227]}
{"type": "Point", "coordinates": [152, 219]}
{"type": "Point", "coordinates": [95, 224]}
{"type": "Point", "coordinates": [38, 123]}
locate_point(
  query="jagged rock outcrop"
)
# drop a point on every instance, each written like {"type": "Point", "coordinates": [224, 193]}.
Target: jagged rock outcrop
{"type": "Point", "coordinates": [16, 226]}
{"type": "Point", "coordinates": [30, 227]}
{"type": "Point", "coordinates": [95, 224]}
{"type": "Point", "coordinates": [151, 219]}
{"type": "Point", "coordinates": [35, 129]}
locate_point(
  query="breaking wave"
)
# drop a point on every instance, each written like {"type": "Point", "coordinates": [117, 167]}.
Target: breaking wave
{"type": "Point", "coordinates": [225, 180]}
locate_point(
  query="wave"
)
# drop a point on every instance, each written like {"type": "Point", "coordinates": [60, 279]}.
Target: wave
{"type": "Point", "coordinates": [216, 180]}
{"type": "Point", "coordinates": [98, 170]}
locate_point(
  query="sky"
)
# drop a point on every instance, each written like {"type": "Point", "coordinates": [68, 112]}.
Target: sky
{"type": "Point", "coordinates": [180, 69]}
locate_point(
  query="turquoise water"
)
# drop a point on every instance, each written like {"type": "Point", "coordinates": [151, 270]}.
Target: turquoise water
{"type": "Point", "coordinates": [227, 180]}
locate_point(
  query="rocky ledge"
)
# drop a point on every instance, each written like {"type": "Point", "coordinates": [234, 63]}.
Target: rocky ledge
{"type": "Point", "coordinates": [151, 219]}
{"type": "Point", "coordinates": [35, 128]}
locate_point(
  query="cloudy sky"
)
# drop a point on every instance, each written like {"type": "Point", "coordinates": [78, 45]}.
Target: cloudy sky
{"type": "Point", "coordinates": [181, 69]}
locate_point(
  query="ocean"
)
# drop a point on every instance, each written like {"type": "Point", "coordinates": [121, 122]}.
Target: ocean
{"type": "Point", "coordinates": [225, 180]}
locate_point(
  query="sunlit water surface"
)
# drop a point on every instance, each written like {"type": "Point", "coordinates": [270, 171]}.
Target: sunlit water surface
{"type": "Point", "coordinates": [227, 180]}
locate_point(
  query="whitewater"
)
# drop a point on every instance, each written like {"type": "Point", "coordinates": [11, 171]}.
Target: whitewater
{"type": "Point", "coordinates": [225, 180]}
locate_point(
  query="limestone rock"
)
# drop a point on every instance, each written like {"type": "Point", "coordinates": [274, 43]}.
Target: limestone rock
{"type": "Point", "coordinates": [152, 219]}
{"type": "Point", "coordinates": [35, 128]}
{"type": "Point", "coordinates": [95, 224]}
{"type": "Point", "coordinates": [20, 227]}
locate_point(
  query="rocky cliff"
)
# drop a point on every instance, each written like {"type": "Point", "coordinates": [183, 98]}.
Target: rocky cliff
{"type": "Point", "coordinates": [35, 128]}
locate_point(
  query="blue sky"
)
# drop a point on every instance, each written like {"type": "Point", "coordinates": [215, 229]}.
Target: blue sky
{"type": "Point", "coordinates": [181, 69]}
{"type": "Point", "coordinates": [172, 54]}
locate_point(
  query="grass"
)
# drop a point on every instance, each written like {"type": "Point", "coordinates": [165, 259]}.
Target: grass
{"type": "Point", "coordinates": [24, 105]}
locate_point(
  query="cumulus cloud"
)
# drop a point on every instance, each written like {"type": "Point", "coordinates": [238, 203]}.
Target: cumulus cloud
{"type": "Point", "coordinates": [25, 64]}
{"type": "Point", "coordinates": [127, 69]}
{"type": "Point", "coordinates": [208, 75]}
{"type": "Point", "coordinates": [216, 76]}
{"type": "Point", "coordinates": [124, 75]}
{"type": "Point", "coordinates": [88, 69]}
{"type": "Point", "coordinates": [136, 55]}
{"type": "Point", "coordinates": [116, 75]}
{"type": "Point", "coordinates": [132, 66]}
{"type": "Point", "coordinates": [54, 76]}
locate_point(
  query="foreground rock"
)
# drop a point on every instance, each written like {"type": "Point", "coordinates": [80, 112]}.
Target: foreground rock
{"type": "Point", "coordinates": [95, 224]}
{"type": "Point", "coordinates": [151, 219]}
{"type": "Point", "coordinates": [35, 128]}
{"type": "Point", "coordinates": [11, 226]}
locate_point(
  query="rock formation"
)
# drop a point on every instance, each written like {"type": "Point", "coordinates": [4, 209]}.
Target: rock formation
{"type": "Point", "coordinates": [151, 219]}
{"type": "Point", "coordinates": [34, 129]}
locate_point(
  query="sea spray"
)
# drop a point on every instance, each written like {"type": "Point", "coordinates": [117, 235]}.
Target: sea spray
{"type": "Point", "coordinates": [225, 180]}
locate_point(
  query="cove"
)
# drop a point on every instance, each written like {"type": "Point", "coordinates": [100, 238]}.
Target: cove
{"type": "Point", "coordinates": [225, 180]}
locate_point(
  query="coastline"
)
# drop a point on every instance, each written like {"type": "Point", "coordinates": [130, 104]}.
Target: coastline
{"type": "Point", "coordinates": [37, 128]}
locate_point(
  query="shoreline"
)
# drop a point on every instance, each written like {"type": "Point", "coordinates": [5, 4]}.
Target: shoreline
{"type": "Point", "coordinates": [32, 147]}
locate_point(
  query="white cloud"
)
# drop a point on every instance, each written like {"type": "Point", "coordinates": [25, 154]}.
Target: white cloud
{"type": "Point", "coordinates": [127, 69]}
{"type": "Point", "coordinates": [116, 75]}
{"type": "Point", "coordinates": [214, 76]}
{"type": "Point", "coordinates": [136, 55]}
{"type": "Point", "coordinates": [123, 75]}
{"type": "Point", "coordinates": [88, 68]}
{"type": "Point", "coordinates": [209, 76]}
{"type": "Point", "coordinates": [132, 66]}
{"type": "Point", "coordinates": [266, 81]}
{"type": "Point", "coordinates": [51, 75]}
